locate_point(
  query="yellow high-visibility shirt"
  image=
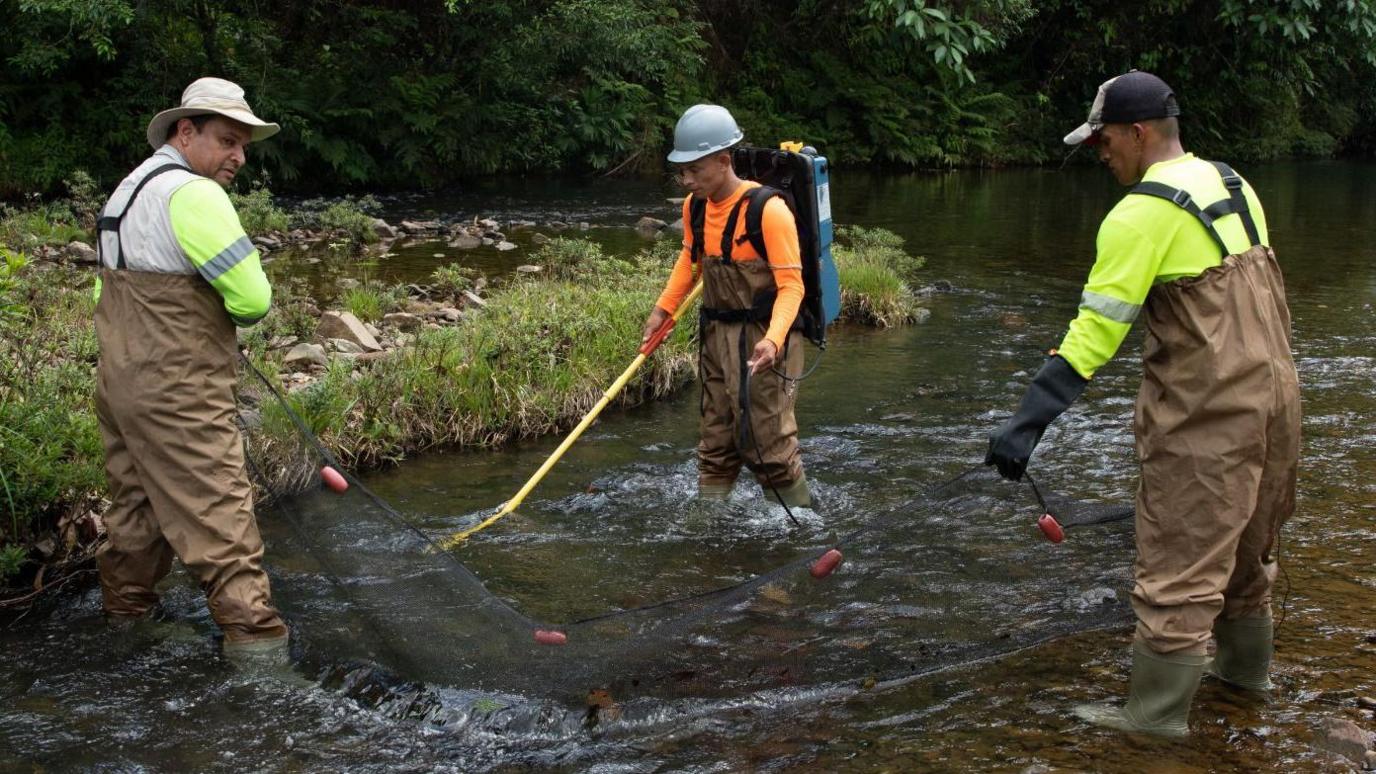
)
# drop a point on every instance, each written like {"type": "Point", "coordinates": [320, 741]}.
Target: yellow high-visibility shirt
{"type": "Point", "coordinates": [1144, 241]}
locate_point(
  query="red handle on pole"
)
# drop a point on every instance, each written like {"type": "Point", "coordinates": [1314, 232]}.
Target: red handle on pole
{"type": "Point", "coordinates": [658, 336]}
{"type": "Point", "coordinates": [1051, 528]}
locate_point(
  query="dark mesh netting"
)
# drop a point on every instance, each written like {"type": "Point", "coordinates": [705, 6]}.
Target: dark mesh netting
{"type": "Point", "coordinates": [953, 576]}
{"type": "Point", "coordinates": [956, 574]}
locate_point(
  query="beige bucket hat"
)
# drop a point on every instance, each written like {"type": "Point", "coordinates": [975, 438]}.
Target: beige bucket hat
{"type": "Point", "coordinates": [206, 96]}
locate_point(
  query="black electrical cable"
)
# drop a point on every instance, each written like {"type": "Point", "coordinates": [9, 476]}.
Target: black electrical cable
{"type": "Point", "coordinates": [747, 428]}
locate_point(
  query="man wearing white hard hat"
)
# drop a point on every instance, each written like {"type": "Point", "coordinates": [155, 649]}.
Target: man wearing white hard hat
{"type": "Point", "coordinates": [750, 303]}
{"type": "Point", "coordinates": [177, 274]}
{"type": "Point", "coordinates": [1218, 414]}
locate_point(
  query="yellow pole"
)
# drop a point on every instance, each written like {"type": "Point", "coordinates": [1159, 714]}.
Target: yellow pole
{"type": "Point", "coordinates": [646, 350]}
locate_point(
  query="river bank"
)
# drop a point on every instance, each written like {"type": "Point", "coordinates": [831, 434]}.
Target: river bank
{"type": "Point", "coordinates": [379, 371]}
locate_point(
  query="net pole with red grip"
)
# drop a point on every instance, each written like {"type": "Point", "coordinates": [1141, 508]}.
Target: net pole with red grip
{"type": "Point", "coordinates": [611, 392]}
{"type": "Point", "coordinates": [1047, 523]}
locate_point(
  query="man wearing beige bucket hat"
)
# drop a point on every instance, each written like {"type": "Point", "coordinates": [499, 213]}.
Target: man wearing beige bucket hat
{"type": "Point", "coordinates": [178, 273]}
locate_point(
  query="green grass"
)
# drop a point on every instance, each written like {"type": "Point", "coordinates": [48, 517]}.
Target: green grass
{"type": "Point", "coordinates": [370, 301]}
{"type": "Point", "coordinates": [50, 451]}
{"type": "Point", "coordinates": [257, 212]}
{"type": "Point", "coordinates": [874, 272]}
{"type": "Point", "coordinates": [451, 280]}
{"type": "Point", "coordinates": [532, 362]}
{"type": "Point", "coordinates": [46, 225]}
{"type": "Point", "coordinates": [348, 218]}
{"type": "Point", "coordinates": [12, 559]}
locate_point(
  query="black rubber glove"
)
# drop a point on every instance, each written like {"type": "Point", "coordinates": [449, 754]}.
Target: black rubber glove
{"type": "Point", "coordinates": [1053, 389]}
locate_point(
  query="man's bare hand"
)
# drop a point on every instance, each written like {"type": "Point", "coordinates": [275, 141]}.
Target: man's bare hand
{"type": "Point", "coordinates": [652, 323]}
{"type": "Point", "coordinates": [763, 356]}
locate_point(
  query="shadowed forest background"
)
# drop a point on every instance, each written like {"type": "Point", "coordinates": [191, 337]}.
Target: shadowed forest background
{"type": "Point", "coordinates": [400, 94]}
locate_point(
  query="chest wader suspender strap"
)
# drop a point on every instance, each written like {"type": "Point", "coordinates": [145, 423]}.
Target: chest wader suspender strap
{"type": "Point", "coordinates": [753, 202]}
{"type": "Point", "coordinates": [1235, 204]}
{"type": "Point", "coordinates": [112, 223]}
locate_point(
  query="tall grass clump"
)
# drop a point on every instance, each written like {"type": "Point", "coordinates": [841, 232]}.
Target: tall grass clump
{"type": "Point", "coordinates": [874, 272]}
{"type": "Point", "coordinates": [258, 214]}
{"type": "Point", "coordinates": [451, 280]}
{"type": "Point", "coordinates": [579, 259]}
{"type": "Point", "coordinates": [533, 361]}
{"type": "Point", "coordinates": [371, 300]}
{"type": "Point", "coordinates": [349, 218]}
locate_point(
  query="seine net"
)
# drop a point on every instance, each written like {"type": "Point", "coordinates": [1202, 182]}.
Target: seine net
{"type": "Point", "coordinates": [957, 574]}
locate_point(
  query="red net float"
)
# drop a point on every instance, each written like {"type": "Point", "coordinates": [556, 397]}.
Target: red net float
{"type": "Point", "coordinates": [333, 479]}
{"type": "Point", "coordinates": [550, 637]}
{"type": "Point", "coordinates": [825, 564]}
{"type": "Point", "coordinates": [1051, 528]}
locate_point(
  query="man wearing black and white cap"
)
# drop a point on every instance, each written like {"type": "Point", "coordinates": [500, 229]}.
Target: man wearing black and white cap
{"type": "Point", "coordinates": [1218, 413]}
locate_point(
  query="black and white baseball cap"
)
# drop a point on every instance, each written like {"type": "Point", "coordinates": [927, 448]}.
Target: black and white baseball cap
{"type": "Point", "coordinates": [1125, 99]}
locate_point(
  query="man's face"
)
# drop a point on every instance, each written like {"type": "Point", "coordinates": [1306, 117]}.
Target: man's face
{"type": "Point", "coordinates": [217, 150]}
{"type": "Point", "coordinates": [706, 174]}
{"type": "Point", "coordinates": [1120, 147]}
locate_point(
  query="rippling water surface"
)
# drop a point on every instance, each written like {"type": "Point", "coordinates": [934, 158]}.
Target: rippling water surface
{"type": "Point", "coordinates": [952, 638]}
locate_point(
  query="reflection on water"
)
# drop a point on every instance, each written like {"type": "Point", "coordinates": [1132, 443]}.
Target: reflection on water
{"type": "Point", "coordinates": [836, 675]}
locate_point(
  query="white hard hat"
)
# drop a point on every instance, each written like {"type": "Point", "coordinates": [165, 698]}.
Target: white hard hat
{"type": "Point", "coordinates": [702, 131]}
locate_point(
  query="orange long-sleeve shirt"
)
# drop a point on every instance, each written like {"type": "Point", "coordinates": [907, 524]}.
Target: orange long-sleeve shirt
{"type": "Point", "coordinates": [780, 241]}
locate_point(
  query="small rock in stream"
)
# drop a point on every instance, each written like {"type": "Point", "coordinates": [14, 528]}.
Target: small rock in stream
{"type": "Point", "coordinates": [1345, 738]}
{"type": "Point", "coordinates": [384, 229]}
{"type": "Point", "coordinates": [1095, 597]}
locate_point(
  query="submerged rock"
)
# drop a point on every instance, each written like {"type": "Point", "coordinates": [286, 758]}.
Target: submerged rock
{"type": "Point", "coordinates": [1345, 738]}
{"type": "Point", "coordinates": [650, 227]}
{"type": "Point", "coordinates": [505, 245]}
{"type": "Point", "coordinates": [465, 242]}
{"type": "Point", "coordinates": [1095, 597]}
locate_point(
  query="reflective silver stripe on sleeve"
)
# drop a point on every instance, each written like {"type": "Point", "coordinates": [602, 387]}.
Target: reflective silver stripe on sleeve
{"type": "Point", "coordinates": [1112, 308]}
{"type": "Point", "coordinates": [227, 259]}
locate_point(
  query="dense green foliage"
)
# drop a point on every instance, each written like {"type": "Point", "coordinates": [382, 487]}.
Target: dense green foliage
{"type": "Point", "coordinates": [406, 94]}
{"type": "Point", "coordinates": [50, 452]}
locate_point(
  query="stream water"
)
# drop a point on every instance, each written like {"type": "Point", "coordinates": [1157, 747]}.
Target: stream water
{"type": "Point", "coordinates": [953, 637]}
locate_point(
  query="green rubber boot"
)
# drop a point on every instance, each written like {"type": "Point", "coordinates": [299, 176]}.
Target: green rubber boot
{"type": "Point", "coordinates": [1243, 658]}
{"type": "Point", "coordinates": [1159, 695]}
{"type": "Point", "coordinates": [795, 495]}
{"type": "Point", "coordinates": [714, 492]}
{"type": "Point", "coordinates": [260, 655]}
